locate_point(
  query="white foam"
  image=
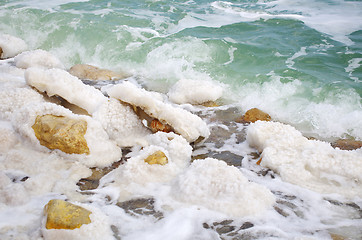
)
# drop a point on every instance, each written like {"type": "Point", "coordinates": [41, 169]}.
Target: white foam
{"type": "Point", "coordinates": [11, 46]}
{"type": "Point", "coordinates": [213, 184]}
{"type": "Point", "coordinates": [326, 119]}
{"type": "Point", "coordinates": [353, 64]}
{"type": "Point", "coordinates": [195, 91]}
{"type": "Point", "coordinates": [309, 163]}
{"type": "Point", "coordinates": [61, 83]}
{"type": "Point", "coordinates": [190, 126]}
{"type": "Point", "coordinates": [290, 61]}
{"type": "Point", "coordinates": [37, 58]}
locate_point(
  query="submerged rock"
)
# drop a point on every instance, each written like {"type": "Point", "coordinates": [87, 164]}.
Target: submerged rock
{"type": "Point", "coordinates": [89, 72]}
{"type": "Point", "coordinates": [63, 133]}
{"type": "Point", "coordinates": [253, 115]}
{"type": "Point", "coordinates": [64, 215]}
{"type": "Point", "coordinates": [347, 144]}
{"type": "Point", "coordinates": [157, 158]}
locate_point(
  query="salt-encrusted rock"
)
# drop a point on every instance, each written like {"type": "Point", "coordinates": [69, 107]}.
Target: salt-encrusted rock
{"type": "Point", "coordinates": [89, 72]}
{"type": "Point", "coordinates": [195, 91]}
{"type": "Point", "coordinates": [37, 58]}
{"type": "Point", "coordinates": [60, 82]}
{"type": "Point", "coordinates": [76, 222]}
{"type": "Point", "coordinates": [133, 175]}
{"type": "Point", "coordinates": [121, 123]}
{"type": "Point", "coordinates": [253, 115]}
{"type": "Point", "coordinates": [64, 215]}
{"type": "Point", "coordinates": [312, 164]}
{"type": "Point", "coordinates": [12, 99]}
{"type": "Point", "coordinates": [157, 157]}
{"type": "Point", "coordinates": [102, 151]}
{"type": "Point", "coordinates": [11, 46]}
{"type": "Point", "coordinates": [63, 133]}
{"type": "Point", "coordinates": [347, 144]}
{"type": "Point", "coordinates": [188, 125]}
{"type": "Point", "coordinates": [217, 186]}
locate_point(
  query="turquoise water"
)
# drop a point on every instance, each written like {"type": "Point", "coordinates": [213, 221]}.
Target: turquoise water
{"type": "Point", "coordinates": [300, 61]}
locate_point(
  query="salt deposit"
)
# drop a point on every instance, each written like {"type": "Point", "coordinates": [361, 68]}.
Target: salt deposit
{"type": "Point", "coordinates": [103, 151]}
{"type": "Point", "coordinates": [59, 82]}
{"type": "Point", "coordinates": [121, 123]}
{"type": "Point", "coordinates": [135, 174]}
{"type": "Point", "coordinates": [190, 126]}
{"type": "Point", "coordinates": [37, 58]}
{"type": "Point", "coordinates": [11, 46]}
{"type": "Point", "coordinates": [309, 163]}
{"type": "Point", "coordinates": [217, 186]}
{"type": "Point", "coordinates": [195, 91]}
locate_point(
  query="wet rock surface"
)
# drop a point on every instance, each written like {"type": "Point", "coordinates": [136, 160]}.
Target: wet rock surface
{"type": "Point", "coordinates": [89, 72]}
{"type": "Point", "coordinates": [157, 157]}
{"type": "Point", "coordinates": [64, 215]}
{"type": "Point", "coordinates": [347, 144]}
{"type": "Point", "coordinates": [63, 133]}
{"type": "Point", "coordinates": [253, 115]}
{"type": "Point", "coordinates": [140, 206]}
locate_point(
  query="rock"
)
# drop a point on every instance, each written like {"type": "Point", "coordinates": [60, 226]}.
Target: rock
{"type": "Point", "coordinates": [157, 158]}
{"type": "Point", "coordinates": [210, 104]}
{"type": "Point", "coordinates": [156, 126]}
{"type": "Point", "coordinates": [1, 52]}
{"type": "Point", "coordinates": [253, 115]}
{"type": "Point", "coordinates": [337, 237]}
{"type": "Point", "coordinates": [63, 133]}
{"type": "Point", "coordinates": [64, 215]}
{"type": "Point", "coordinates": [347, 144]}
{"type": "Point", "coordinates": [89, 72]}
{"type": "Point", "coordinates": [140, 206]}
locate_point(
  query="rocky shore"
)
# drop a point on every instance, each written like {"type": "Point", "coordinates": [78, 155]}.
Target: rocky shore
{"type": "Point", "coordinates": [88, 129]}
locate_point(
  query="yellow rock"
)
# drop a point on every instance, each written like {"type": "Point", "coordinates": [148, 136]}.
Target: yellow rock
{"type": "Point", "coordinates": [157, 158]}
{"type": "Point", "coordinates": [85, 71]}
{"type": "Point", "coordinates": [64, 215]}
{"type": "Point", "coordinates": [59, 132]}
{"type": "Point", "coordinates": [156, 126]}
{"type": "Point", "coordinates": [210, 104]}
{"type": "Point", "coordinates": [254, 114]}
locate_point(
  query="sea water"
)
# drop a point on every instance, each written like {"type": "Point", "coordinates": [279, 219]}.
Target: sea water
{"type": "Point", "coordinates": [299, 61]}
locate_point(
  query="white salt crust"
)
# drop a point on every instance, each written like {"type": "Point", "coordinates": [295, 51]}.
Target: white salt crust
{"type": "Point", "coordinates": [136, 174]}
{"type": "Point", "coordinates": [121, 123]}
{"type": "Point", "coordinates": [194, 91]}
{"type": "Point", "coordinates": [190, 126]}
{"type": "Point", "coordinates": [11, 46]}
{"type": "Point", "coordinates": [59, 82]}
{"type": "Point", "coordinates": [312, 164]}
{"type": "Point", "coordinates": [103, 151]}
{"type": "Point", "coordinates": [37, 58]}
{"type": "Point", "coordinates": [215, 185]}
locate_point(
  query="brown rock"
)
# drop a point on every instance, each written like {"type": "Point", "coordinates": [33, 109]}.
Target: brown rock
{"type": "Point", "coordinates": [337, 237]}
{"type": "Point", "coordinates": [253, 115]}
{"type": "Point", "coordinates": [89, 72]}
{"type": "Point", "coordinates": [347, 144]}
{"type": "Point", "coordinates": [157, 158]}
{"type": "Point", "coordinates": [64, 215]}
{"type": "Point", "coordinates": [1, 52]}
{"type": "Point", "coordinates": [156, 126]}
{"type": "Point", "coordinates": [58, 132]}
{"type": "Point", "coordinates": [210, 104]}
